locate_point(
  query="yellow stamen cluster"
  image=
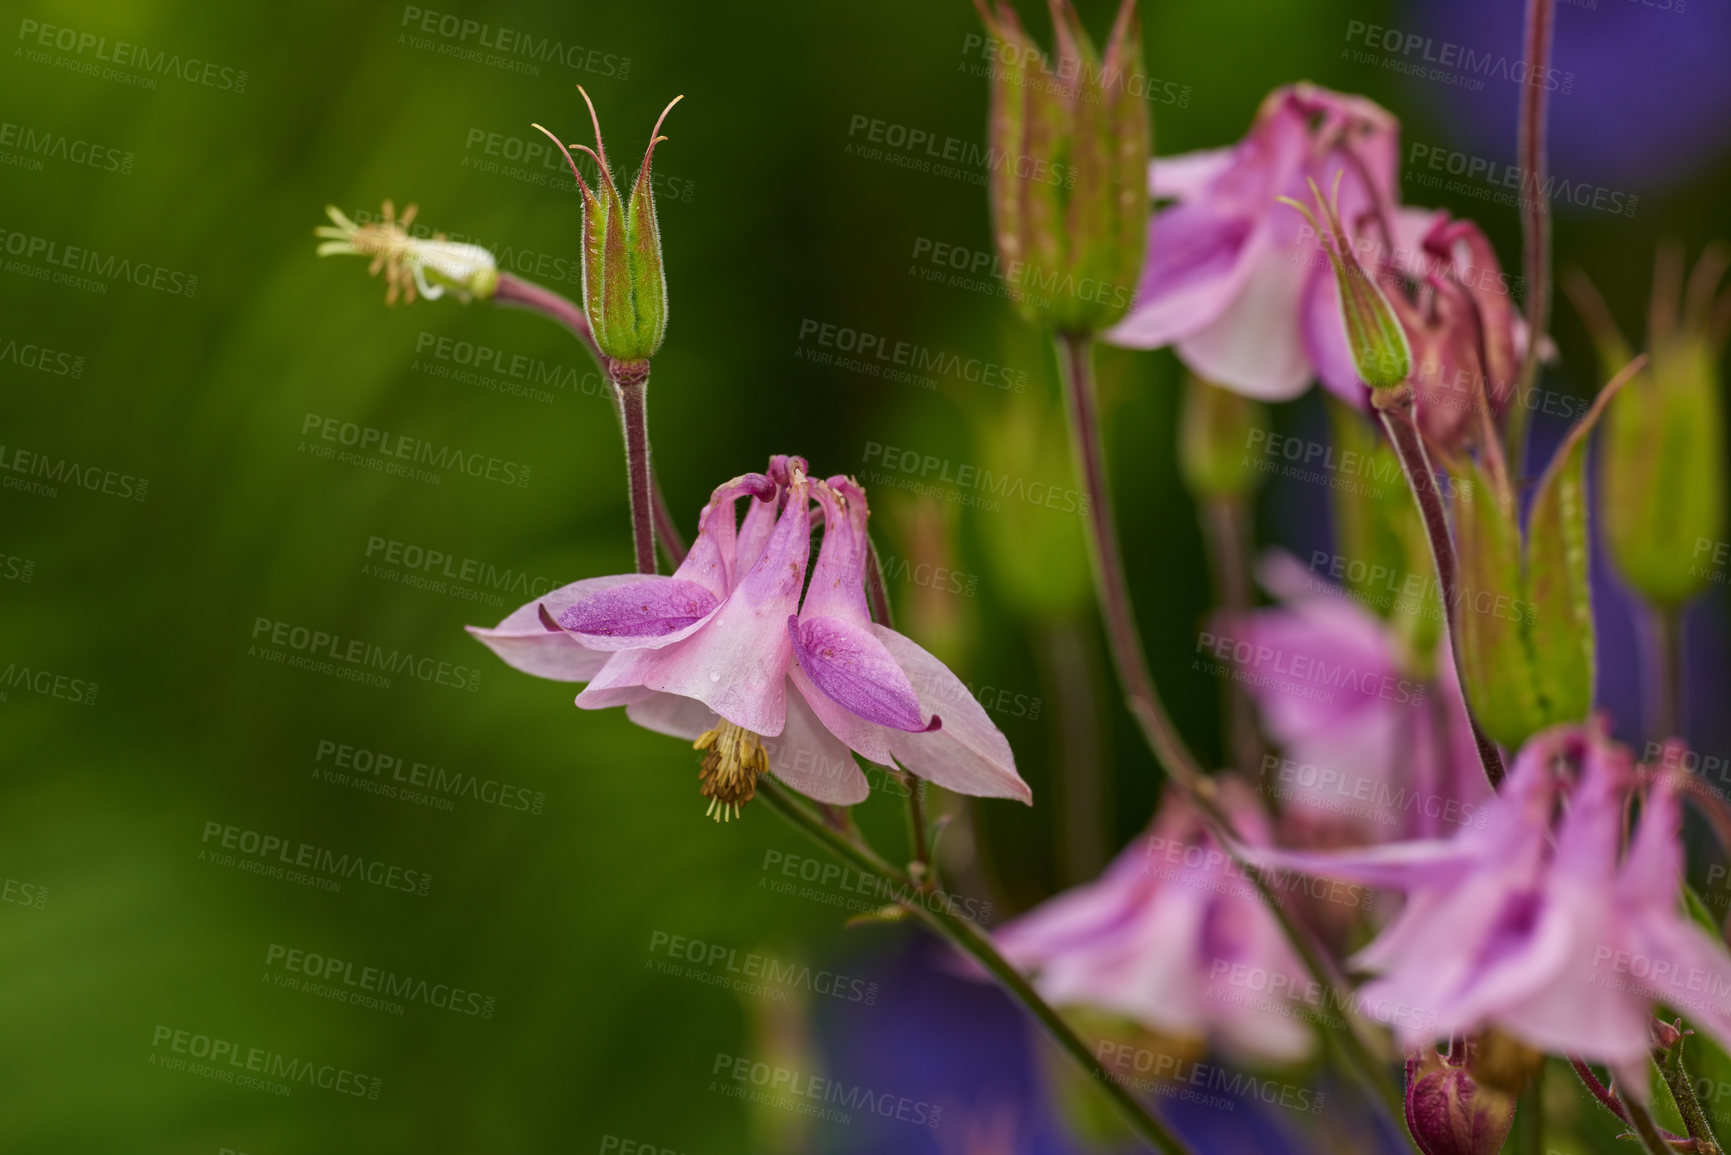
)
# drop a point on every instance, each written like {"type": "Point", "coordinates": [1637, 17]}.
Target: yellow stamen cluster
{"type": "Point", "coordinates": [733, 759]}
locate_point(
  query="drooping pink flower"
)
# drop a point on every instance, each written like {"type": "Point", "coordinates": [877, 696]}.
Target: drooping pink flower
{"type": "Point", "coordinates": [1367, 745]}
{"type": "Point", "coordinates": [1542, 923]}
{"type": "Point", "coordinates": [1456, 305]}
{"type": "Point", "coordinates": [1174, 938]}
{"type": "Point", "coordinates": [1230, 269]}
{"type": "Point", "coordinates": [710, 653]}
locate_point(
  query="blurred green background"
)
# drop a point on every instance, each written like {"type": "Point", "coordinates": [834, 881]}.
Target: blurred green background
{"type": "Point", "coordinates": [122, 923]}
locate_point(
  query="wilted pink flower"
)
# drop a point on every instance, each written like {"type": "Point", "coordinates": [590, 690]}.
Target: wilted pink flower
{"type": "Point", "coordinates": [1229, 269]}
{"type": "Point", "coordinates": [1366, 744]}
{"type": "Point", "coordinates": [1457, 307]}
{"type": "Point", "coordinates": [710, 652]}
{"type": "Point", "coordinates": [1174, 938]}
{"type": "Point", "coordinates": [1540, 923]}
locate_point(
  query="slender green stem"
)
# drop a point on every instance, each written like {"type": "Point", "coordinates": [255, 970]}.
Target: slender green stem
{"type": "Point", "coordinates": [1656, 1141]}
{"type": "Point", "coordinates": [966, 938]}
{"type": "Point", "coordinates": [1688, 1106]}
{"type": "Point", "coordinates": [1647, 1131]}
{"type": "Point", "coordinates": [1075, 363]}
{"type": "Point", "coordinates": [1530, 1117]}
{"type": "Point", "coordinates": [1395, 405]}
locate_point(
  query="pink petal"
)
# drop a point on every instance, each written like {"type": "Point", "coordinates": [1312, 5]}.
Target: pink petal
{"type": "Point", "coordinates": [525, 642]}
{"type": "Point", "coordinates": [809, 759]}
{"type": "Point", "coordinates": [670, 714]}
{"type": "Point", "coordinates": [737, 662]}
{"type": "Point", "coordinates": [1200, 261]}
{"type": "Point", "coordinates": [867, 739]}
{"type": "Point", "coordinates": [1255, 346]}
{"type": "Point", "coordinates": [1561, 1002]}
{"type": "Point", "coordinates": [1188, 174]}
{"type": "Point", "coordinates": [969, 754]}
{"type": "Point", "coordinates": [651, 612]}
{"type": "Point", "coordinates": [846, 663]}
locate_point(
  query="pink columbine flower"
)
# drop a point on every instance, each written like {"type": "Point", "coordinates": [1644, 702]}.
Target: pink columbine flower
{"type": "Point", "coordinates": [1230, 270]}
{"type": "Point", "coordinates": [1368, 745]}
{"type": "Point", "coordinates": [1174, 938]}
{"type": "Point", "coordinates": [1545, 923]}
{"type": "Point", "coordinates": [711, 653]}
{"type": "Point", "coordinates": [1455, 303]}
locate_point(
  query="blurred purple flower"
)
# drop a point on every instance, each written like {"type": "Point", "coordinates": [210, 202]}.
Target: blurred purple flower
{"type": "Point", "coordinates": [709, 654]}
{"type": "Point", "coordinates": [1173, 938]}
{"type": "Point", "coordinates": [1542, 925]}
{"type": "Point", "coordinates": [1367, 744]}
{"type": "Point", "coordinates": [1228, 268]}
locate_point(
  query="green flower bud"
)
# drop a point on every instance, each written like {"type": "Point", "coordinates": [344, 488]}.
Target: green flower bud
{"type": "Point", "coordinates": [1661, 471]}
{"type": "Point", "coordinates": [1380, 350]}
{"type": "Point", "coordinates": [624, 285]}
{"type": "Point", "coordinates": [1069, 174]}
{"type": "Point", "coordinates": [1525, 615]}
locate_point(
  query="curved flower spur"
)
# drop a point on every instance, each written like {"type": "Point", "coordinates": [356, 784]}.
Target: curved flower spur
{"type": "Point", "coordinates": [709, 654]}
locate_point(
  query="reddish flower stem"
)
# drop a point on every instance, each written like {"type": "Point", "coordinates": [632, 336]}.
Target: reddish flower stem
{"type": "Point", "coordinates": [1395, 406]}
{"type": "Point", "coordinates": [1535, 222]}
{"type": "Point", "coordinates": [1075, 364]}
{"type": "Point", "coordinates": [516, 292]}
{"type": "Point", "coordinates": [1653, 1138]}
{"type": "Point", "coordinates": [631, 389]}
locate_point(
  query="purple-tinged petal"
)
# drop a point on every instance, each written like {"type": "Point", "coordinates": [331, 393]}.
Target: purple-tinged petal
{"type": "Point", "coordinates": [737, 662]}
{"type": "Point", "coordinates": [867, 739]}
{"type": "Point", "coordinates": [651, 612]}
{"type": "Point", "coordinates": [1082, 916]}
{"type": "Point", "coordinates": [524, 641]}
{"type": "Point", "coordinates": [1552, 996]}
{"type": "Point", "coordinates": [808, 758]}
{"type": "Point", "coordinates": [712, 561]}
{"type": "Point", "coordinates": [1653, 868]}
{"type": "Point", "coordinates": [853, 669]}
{"type": "Point", "coordinates": [1198, 267]}
{"type": "Point", "coordinates": [1255, 346]}
{"type": "Point", "coordinates": [837, 587]}
{"type": "Point", "coordinates": [620, 681]}
{"type": "Point", "coordinates": [969, 754]}
{"type": "Point", "coordinates": [1188, 174]}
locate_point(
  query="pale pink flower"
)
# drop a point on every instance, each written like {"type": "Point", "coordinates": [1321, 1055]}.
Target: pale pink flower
{"type": "Point", "coordinates": [710, 653]}
{"type": "Point", "coordinates": [1542, 923]}
{"type": "Point", "coordinates": [1229, 269]}
{"type": "Point", "coordinates": [1366, 744]}
{"type": "Point", "coordinates": [1174, 938]}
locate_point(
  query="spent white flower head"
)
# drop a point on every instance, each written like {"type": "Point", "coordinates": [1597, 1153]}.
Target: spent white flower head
{"type": "Point", "coordinates": [427, 266]}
